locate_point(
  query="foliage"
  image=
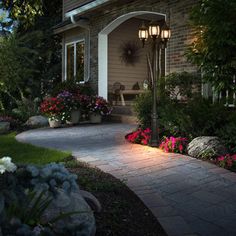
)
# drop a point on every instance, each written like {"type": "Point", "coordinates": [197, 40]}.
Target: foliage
{"type": "Point", "coordinates": [213, 49]}
{"type": "Point", "coordinates": [140, 136]}
{"type": "Point", "coordinates": [26, 108]}
{"type": "Point", "coordinates": [182, 86]}
{"type": "Point", "coordinates": [28, 193]}
{"type": "Point", "coordinates": [34, 31]}
{"type": "Point", "coordinates": [143, 108]}
{"type": "Point", "coordinates": [99, 105]}
{"type": "Point", "coordinates": [18, 56]}
{"type": "Point", "coordinates": [227, 161]}
{"type": "Point", "coordinates": [23, 11]}
{"type": "Point", "coordinates": [29, 154]}
{"type": "Point", "coordinates": [227, 133]}
{"type": "Point", "coordinates": [52, 177]}
{"type": "Point", "coordinates": [172, 144]}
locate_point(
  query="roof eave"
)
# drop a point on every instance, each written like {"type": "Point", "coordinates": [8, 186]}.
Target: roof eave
{"type": "Point", "coordinates": [87, 7]}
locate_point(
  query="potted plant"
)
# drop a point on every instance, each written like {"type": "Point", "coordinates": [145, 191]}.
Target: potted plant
{"type": "Point", "coordinates": [85, 102]}
{"type": "Point", "coordinates": [98, 107]}
{"type": "Point", "coordinates": [71, 106]}
{"type": "Point", "coordinates": [54, 109]}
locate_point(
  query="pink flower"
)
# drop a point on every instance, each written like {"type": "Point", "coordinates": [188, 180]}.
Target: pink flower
{"type": "Point", "coordinates": [221, 158]}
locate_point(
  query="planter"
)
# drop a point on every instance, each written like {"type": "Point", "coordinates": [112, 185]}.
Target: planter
{"type": "Point", "coordinates": [95, 118]}
{"type": "Point", "coordinates": [54, 123]}
{"type": "Point", "coordinates": [75, 117]}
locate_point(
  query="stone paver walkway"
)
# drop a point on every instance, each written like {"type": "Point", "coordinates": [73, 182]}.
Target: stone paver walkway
{"type": "Point", "coordinates": [188, 196]}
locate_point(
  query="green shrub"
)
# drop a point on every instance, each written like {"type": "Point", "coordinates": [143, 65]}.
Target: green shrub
{"type": "Point", "coordinates": [198, 117]}
{"type": "Point", "coordinates": [205, 117]}
{"type": "Point", "coordinates": [227, 132]}
{"type": "Point", "coordinates": [183, 85]}
{"type": "Point", "coordinates": [143, 108]}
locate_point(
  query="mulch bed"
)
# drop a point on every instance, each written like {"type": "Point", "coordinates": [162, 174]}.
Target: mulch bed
{"type": "Point", "coordinates": [123, 213]}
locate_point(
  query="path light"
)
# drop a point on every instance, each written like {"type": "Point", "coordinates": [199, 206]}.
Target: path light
{"type": "Point", "coordinates": [160, 36]}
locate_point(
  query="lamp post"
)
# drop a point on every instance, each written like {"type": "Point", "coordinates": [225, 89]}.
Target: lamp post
{"type": "Point", "coordinates": [160, 36]}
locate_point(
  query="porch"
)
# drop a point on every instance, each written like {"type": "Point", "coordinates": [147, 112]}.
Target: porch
{"type": "Point", "coordinates": [122, 61]}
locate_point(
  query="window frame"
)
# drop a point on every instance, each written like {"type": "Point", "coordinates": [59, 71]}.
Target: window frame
{"type": "Point", "coordinates": [65, 58]}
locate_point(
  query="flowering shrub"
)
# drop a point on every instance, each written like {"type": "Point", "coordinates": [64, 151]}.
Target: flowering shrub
{"type": "Point", "coordinates": [172, 144]}
{"type": "Point", "coordinates": [53, 107]}
{"type": "Point", "coordinates": [100, 105]}
{"type": "Point", "coordinates": [139, 136]}
{"type": "Point", "coordinates": [228, 161]}
{"type": "Point", "coordinates": [6, 165]}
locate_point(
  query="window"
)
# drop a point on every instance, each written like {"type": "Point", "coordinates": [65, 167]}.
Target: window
{"type": "Point", "coordinates": [75, 61]}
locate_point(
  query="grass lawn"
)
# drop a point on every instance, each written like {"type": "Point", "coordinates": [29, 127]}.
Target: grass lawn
{"type": "Point", "coordinates": [28, 154]}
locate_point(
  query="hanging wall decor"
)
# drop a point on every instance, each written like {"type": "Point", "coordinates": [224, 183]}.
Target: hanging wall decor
{"type": "Point", "coordinates": [130, 52]}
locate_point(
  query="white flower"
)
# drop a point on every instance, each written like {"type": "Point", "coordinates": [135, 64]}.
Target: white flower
{"type": "Point", "coordinates": [6, 165]}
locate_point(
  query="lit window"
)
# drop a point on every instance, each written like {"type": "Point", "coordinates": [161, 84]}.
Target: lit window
{"type": "Point", "coordinates": [75, 61]}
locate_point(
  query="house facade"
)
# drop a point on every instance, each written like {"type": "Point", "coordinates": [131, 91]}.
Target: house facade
{"type": "Point", "coordinates": [97, 36]}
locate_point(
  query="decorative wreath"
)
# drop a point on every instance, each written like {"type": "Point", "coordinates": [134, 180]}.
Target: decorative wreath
{"type": "Point", "coordinates": [130, 52]}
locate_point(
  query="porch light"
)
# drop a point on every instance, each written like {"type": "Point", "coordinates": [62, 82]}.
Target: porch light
{"type": "Point", "coordinates": [154, 30]}
{"type": "Point", "coordinates": [143, 33]}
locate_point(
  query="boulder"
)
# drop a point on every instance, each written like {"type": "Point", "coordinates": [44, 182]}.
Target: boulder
{"type": "Point", "coordinates": [80, 223]}
{"type": "Point", "coordinates": [206, 147]}
{"type": "Point", "coordinates": [4, 127]}
{"type": "Point", "coordinates": [37, 121]}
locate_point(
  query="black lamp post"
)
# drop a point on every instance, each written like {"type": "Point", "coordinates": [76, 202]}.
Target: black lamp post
{"type": "Point", "coordinates": [160, 36]}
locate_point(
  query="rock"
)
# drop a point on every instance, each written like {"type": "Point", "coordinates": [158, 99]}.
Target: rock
{"type": "Point", "coordinates": [68, 203]}
{"type": "Point", "coordinates": [206, 147]}
{"type": "Point", "coordinates": [37, 121]}
{"type": "Point", "coordinates": [91, 200]}
{"type": "Point", "coordinates": [4, 127]}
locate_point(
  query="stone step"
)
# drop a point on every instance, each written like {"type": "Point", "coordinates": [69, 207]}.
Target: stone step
{"type": "Point", "coordinates": [126, 119]}
{"type": "Point", "coordinates": [123, 110]}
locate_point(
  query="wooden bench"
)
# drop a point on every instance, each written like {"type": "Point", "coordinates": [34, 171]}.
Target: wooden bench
{"type": "Point", "coordinates": [129, 92]}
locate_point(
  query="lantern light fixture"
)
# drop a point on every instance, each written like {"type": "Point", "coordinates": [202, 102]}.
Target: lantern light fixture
{"type": "Point", "coordinates": [143, 33]}
{"type": "Point", "coordinates": [154, 30]}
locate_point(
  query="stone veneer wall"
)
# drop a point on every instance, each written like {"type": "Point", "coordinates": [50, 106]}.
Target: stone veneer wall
{"type": "Point", "coordinates": [177, 12]}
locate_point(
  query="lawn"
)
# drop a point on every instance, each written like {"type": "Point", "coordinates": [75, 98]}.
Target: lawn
{"type": "Point", "coordinates": [28, 154]}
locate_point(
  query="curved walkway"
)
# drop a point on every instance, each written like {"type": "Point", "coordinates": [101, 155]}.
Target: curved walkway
{"type": "Point", "coordinates": [188, 196]}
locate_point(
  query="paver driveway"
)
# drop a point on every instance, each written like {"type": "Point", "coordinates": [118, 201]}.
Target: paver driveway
{"type": "Point", "coordinates": [188, 196]}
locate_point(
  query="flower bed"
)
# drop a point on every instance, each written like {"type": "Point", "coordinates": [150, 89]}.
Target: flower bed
{"type": "Point", "coordinates": [178, 145]}
{"type": "Point", "coordinates": [139, 136]}
{"type": "Point", "coordinates": [172, 144]}
{"type": "Point", "coordinates": [228, 161]}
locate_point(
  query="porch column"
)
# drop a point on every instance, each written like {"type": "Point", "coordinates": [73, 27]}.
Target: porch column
{"type": "Point", "coordinates": [103, 65]}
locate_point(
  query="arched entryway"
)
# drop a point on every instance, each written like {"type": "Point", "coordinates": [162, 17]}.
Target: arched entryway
{"type": "Point", "coordinates": [130, 19]}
